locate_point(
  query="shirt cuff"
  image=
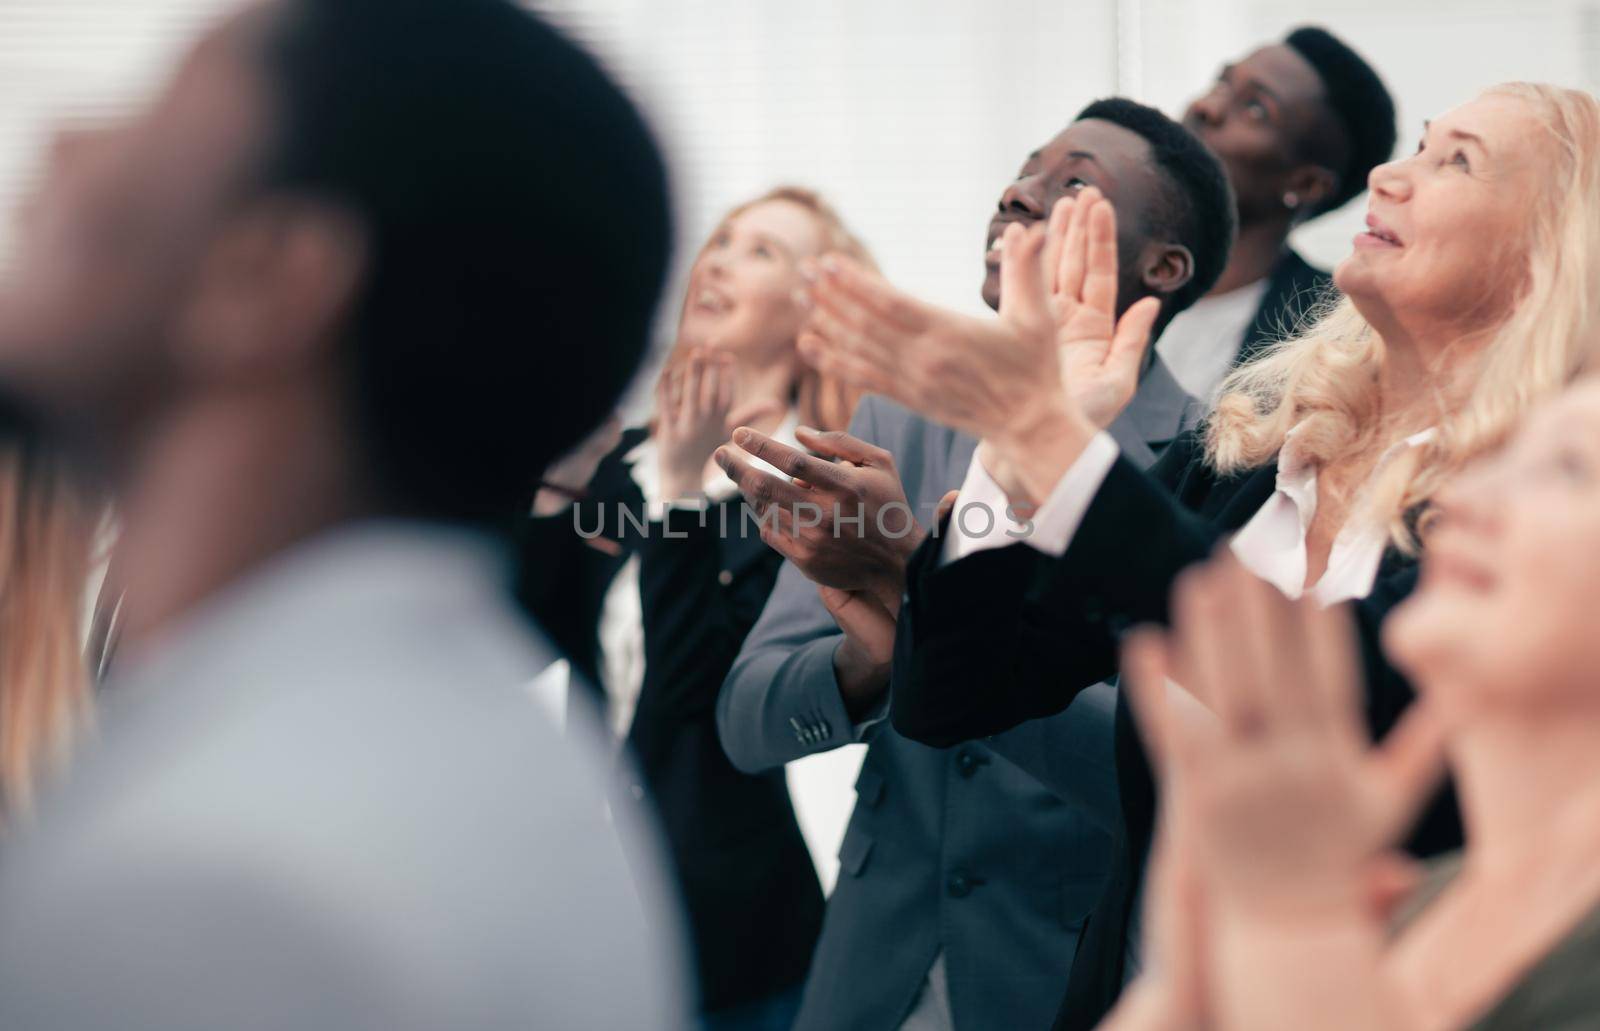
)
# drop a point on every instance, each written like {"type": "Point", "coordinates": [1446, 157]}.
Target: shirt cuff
{"type": "Point", "coordinates": [656, 507]}
{"type": "Point", "coordinates": [1058, 519]}
{"type": "Point", "coordinates": [982, 517]}
{"type": "Point", "coordinates": [879, 713]}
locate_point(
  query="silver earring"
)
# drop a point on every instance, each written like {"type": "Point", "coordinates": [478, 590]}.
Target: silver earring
{"type": "Point", "coordinates": [1291, 200]}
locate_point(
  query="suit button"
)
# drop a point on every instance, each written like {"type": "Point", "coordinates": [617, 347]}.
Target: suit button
{"type": "Point", "coordinates": [725, 577]}
{"type": "Point", "coordinates": [959, 886]}
{"type": "Point", "coordinates": [967, 762]}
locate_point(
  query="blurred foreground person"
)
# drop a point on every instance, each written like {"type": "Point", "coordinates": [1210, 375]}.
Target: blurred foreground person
{"type": "Point", "coordinates": [47, 529]}
{"type": "Point", "coordinates": [1280, 822]}
{"type": "Point", "coordinates": [294, 308]}
{"type": "Point", "coordinates": [651, 582]}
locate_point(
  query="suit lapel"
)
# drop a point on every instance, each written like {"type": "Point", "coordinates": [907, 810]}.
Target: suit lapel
{"type": "Point", "coordinates": [1293, 289]}
{"type": "Point", "coordinates": [1233, 502]}
{"type": "Point", "coordinates": [1159, 411]}
{"type": "Point", "coordinates": [960, 452]}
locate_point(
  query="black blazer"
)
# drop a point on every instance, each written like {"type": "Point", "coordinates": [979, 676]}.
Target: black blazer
{"type": "Point", "coordinates": [1293, 289]}
{"type": "Point", "coordinates": [751, 890]}
{"type": "Point", "coordinates": [1009, 635]}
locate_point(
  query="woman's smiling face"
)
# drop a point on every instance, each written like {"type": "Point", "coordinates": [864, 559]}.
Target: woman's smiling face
{"type": "Point", "coordinates": [1506, 606]}
{"type": "Point", "coordinates": [743, 284]}
{"type": "Point", "coordinates": [1447, 226]}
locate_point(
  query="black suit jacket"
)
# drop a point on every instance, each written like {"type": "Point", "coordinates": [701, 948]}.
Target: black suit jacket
{"type": "Point", "coordinates": [754, 904]}
{"type": "Point", "coordinates": [1009, 635]}
{"type": "Point", "coordinates": [1293, 290]}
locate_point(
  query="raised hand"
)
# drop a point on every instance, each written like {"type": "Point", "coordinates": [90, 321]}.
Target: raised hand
{"type": "Point", "coordinates": [1101, 355]}
{"type": "Point", "coordinates": [1056, 366]}
{"type": "Point", "coordinates": [846, 524]}
{"type": "Point", "coordinates": [979, 375]}
{"type": "Point", "coordinates": [1288, 811]}
{"type": "Point", "coordinates": [695, 413]}
{"type": "Point", "coordinates": [1291, 796]}
{"type": "Point", "coordinates": [1171, 992]}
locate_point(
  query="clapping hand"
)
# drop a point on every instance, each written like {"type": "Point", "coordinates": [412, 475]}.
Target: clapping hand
{"type": "Point", "coordinates": [1057, 365]}
{"type": "Point", "coordinates": [862, 661]}
{"type": "Point", "coordinates": [695, 413]}
{"type": "Point", "coordinates": [1288, 813]}
{"type": "Point", "coordinates": [845, 523]}
{"type": "Point", "coordinates": [1101, 355]}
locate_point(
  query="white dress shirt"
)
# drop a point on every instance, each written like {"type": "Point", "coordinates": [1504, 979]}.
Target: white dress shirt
{"type": "Point", "coordinates": [1272, 544]}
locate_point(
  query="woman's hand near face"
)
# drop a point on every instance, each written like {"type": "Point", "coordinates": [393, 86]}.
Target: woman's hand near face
{"type": "Point", "coordinates": [1288, 808]}
{"type": "Point", "coordinates": [694, 415]}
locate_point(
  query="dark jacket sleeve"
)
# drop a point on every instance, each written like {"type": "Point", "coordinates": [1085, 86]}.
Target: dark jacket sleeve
{"type": "Point", "coordinates": [565, 562]}
{"type": "Point", "coordinates": [552, 564]}
{"type": "Point", "coordinates": [1010, 634]}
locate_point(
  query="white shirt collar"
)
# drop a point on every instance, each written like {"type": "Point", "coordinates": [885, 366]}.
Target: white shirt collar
{"type": "Point", "coordinates": [1296, 471]}
{"type": "Point", "coordinates": [1273, 543]}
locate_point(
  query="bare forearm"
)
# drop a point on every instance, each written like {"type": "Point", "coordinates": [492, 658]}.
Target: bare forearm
{"type": "Point", "coordinates": [1312, 974]}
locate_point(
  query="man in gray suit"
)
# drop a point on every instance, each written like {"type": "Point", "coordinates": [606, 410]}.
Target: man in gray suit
{"type": "Point", "coordinates": [322, 312]}
{"type": "Point", "coordinates": [964, 877]}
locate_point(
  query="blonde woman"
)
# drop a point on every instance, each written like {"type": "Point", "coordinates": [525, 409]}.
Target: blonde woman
{"type": "Point", "coordinates": [651, 582]}
{"type": "Point", "coordinates": [1470, 297]}
{"type": "Point", "coordinates": [46, 533]}
{"type": "Point", "coordinates": [1278, 835]}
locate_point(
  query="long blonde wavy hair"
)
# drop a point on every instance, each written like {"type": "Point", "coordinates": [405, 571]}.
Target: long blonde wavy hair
{"type": "Point", "coordinates": [822, 401]}
{"type": "Point", "coordinates": [1325, 377]}
{"type": "Point", "coordinates": [47, 527]}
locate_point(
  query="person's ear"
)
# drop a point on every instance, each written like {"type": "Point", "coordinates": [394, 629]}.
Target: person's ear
{"type": "Point", "coordinates": [1307, 187]}
{"type": "Point", "coordinates": [1166, 267]}
{"type": "Point", "coordinates": [270, 293]}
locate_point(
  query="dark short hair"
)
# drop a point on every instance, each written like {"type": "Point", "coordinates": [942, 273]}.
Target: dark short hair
{"type": "Point", "coordinates": [516, 213]}
{"type": "Point", "coordinates": [1358, 100]}
{"type": "Point", "coordinates": [1198, 211]}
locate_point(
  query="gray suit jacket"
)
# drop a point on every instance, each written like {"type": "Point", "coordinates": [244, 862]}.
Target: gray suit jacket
{"type": "Point", "coordinates": [325, 801]}
{"type": "Point", "coordinates": [958, 850]}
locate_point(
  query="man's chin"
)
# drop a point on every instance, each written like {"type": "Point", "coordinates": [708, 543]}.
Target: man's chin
{"type": "Point", "coordinates": [991, 288]}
